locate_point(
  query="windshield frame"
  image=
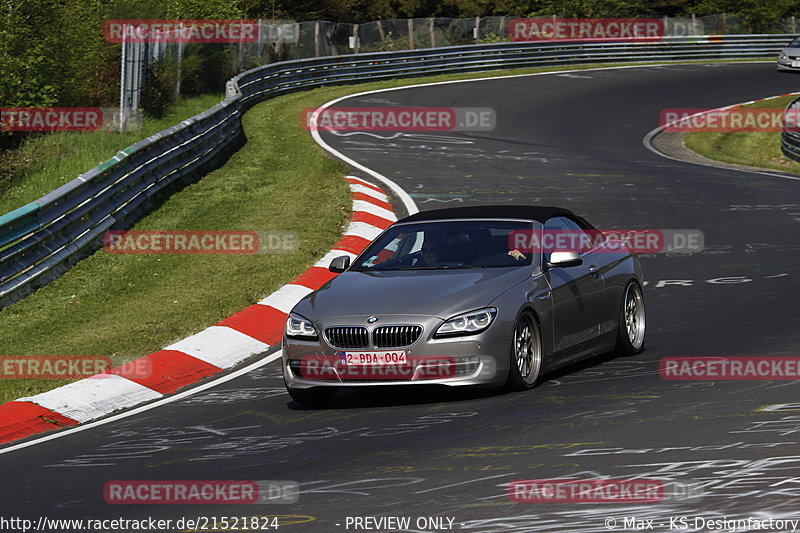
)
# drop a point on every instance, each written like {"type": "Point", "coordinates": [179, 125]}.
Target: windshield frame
{"type": "Point", "coordinates": [533, 261]}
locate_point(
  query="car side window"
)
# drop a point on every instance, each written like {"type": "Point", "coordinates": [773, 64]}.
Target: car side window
{"type": "Point", "coordinates": [586, 242]}
{"type": "Point", "coordinates": [552, 229]}
{"type": "Point", "coordinates": [563, 230]}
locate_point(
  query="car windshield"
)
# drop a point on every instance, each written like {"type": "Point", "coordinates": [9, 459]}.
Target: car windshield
{"type": "Point", "coordinates": [447, 244]}
{"type": "Point", "coordinates": [795, 43]}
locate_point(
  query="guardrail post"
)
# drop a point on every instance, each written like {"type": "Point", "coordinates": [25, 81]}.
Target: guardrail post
{"type": "Point", "coordinates": [122, 62]}
{"type": "Point", "coordinates": [260, 41]}
{"type": "Point", "coordinates": [382, 35]}
{"type": "Point", "coordinates": [411, 34]}
{"type": "Point", "coordinates": [178, 61]}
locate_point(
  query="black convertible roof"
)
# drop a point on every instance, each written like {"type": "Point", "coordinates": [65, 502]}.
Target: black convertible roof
{"type": "Point", "coordinates": [528, 212]}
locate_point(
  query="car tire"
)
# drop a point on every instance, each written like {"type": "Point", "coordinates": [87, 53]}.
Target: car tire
{"type": "Point", "coordinates": [526, 353]}
{"type": "Point", "coordinates": [631, 330]}
{"type": "Point", "coordinates": [312, 396]}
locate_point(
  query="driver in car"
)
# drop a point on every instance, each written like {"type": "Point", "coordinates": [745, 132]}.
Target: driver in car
{"type": "Point", "coordinates": [429, 255]}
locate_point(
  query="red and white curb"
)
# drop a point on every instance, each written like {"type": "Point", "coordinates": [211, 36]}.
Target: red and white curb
{"type": "Point", "coordinates": [219, 347]}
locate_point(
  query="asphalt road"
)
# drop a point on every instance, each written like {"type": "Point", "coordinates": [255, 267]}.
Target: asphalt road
{"type": "Point", "coordinates": [569, 140]}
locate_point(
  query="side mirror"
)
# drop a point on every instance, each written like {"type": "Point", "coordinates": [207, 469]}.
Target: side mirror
{"type": "Point", "coordinates": [564, 259]}
{"type": "Point", "coordinates": [339, 264]}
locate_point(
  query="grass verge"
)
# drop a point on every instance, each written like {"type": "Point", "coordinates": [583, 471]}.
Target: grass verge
{"type": "Point", "coordinates": [126, 306]}
{"type": "Point", "coordinates": [45, 162]}
{"type": "Point", "coordinates": [129, 305]}
{"type": "Point", "coordinates": [755, 149]}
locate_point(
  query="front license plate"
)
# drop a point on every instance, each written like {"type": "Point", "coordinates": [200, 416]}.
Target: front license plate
{"type": "Point", "coordinates": [796, 64]}
{"type": "Point", "coordinates": [373, 358]}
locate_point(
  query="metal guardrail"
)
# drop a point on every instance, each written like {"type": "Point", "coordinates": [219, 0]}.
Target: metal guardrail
{"type": "Point", "coordinates": [790, 140]}
{"type": "Point", "coordinates": [41, 240]}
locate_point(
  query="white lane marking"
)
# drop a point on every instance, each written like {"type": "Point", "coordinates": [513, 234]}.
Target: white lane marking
{"type": "Point", "coordinates": [408, 203]}
{"type": "Point", "coordinates": [220, 346]}
{"type": "Point", "coordinates": [286, 297]}
{"type": "Point", "coordinates": [158, 403]}
{"type": "Point", "coordinates": [93, 397]}
{"type": "Point", "coordinates": [210, 430]}
{"type": "Point", "coordinates": [368, 134]}
{"type": "Point", "coordinates": [725, 280]}
{"type": "Point", "coordinates": [459, 200]}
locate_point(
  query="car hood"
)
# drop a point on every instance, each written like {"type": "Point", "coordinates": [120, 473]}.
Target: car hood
{"type": "Point", "coordinates": [791, 51]}
{"type": "Point", "coordinates": [441, 293]}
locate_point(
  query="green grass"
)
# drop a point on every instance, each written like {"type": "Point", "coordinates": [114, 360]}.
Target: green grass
{"type": "Point", "coordinates": [756, 149]}
{"type": "Point", "coordinates": [126, 306]}
{"type": "Point", "coordinates": [48, 161]}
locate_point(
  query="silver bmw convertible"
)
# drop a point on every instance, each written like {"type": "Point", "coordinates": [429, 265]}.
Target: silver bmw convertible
{"type": "Point", "coordinates": [489, 295]}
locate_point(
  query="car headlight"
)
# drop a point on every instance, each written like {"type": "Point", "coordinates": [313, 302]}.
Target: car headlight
{"type": "Point", "coordinates": [298, 327]}
{"type": "Point", "coordinates": [467, 323]}
{"type": "Point", "coordinates": [783, 56]}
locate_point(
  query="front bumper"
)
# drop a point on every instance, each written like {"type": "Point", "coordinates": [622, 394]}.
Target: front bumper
{"type": "Point", "coordinates": [453, 371]}
{"type": "Point", "coordinates": [787, 64]}
{"type": "Point", "coordinates": [480, 359]}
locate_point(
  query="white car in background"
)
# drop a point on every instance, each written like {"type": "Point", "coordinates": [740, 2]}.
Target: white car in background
{"type": "Point", "coordinates": [789, 58]}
